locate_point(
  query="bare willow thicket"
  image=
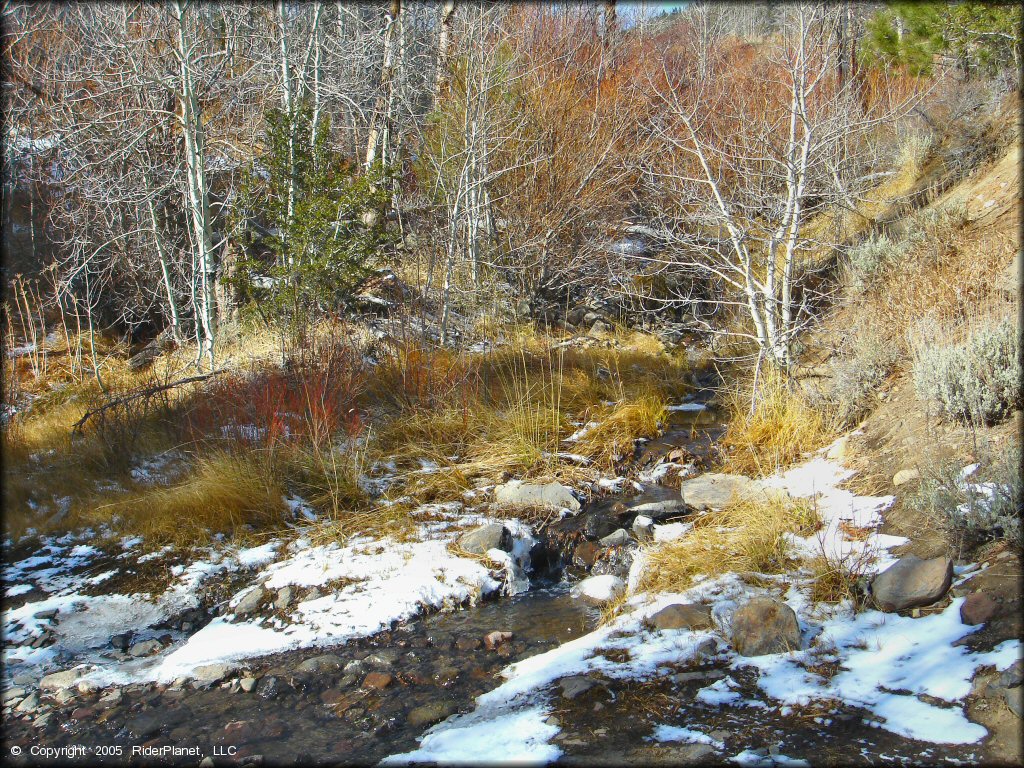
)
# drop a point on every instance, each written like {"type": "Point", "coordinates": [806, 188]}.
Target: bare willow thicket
{"type": "Point", "coordinates": [527, 147]}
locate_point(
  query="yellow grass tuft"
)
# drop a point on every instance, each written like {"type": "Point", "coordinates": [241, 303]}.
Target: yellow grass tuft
{"type": "Point", "coordinates": [233, 494]}
{"type": "Point", "coordinates": [747, 536]}
{"type": "Point", "coordinates": [617, 430]}
{"type": "Point", "coordinates": [781, 427]}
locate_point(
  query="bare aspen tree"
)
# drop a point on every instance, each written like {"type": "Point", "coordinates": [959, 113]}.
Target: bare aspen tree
{"type": "Point", "coordinates": [380, 130]}
{"type": "Point", "coordinates": [757, 166]}
{"type": "Point", "coordinates": [197, 185]}
{"type": "Point", "coordinates": [442, 79]}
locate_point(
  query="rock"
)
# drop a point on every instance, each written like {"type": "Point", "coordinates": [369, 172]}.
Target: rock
{"type": "Point", "coordinates": [354, 667]}
{"type": "Point", "coordinates": [467, 643]}
{"type": "Point", "coordinates": [43, 720]}
{"type": "Point", "coordinates": [681, 616]}
{"type": "Point", "coordinates": [58, 680]}
{"type": "Point", "coordinates": [112, 698]}
{"type": "Point", "coordinates": [516, 493]}
{"type": "Point", "coordinates": [575, 686]}
{"type": "Point", "coordinates": [320, 664]}
{"type": "Point", "coordinates": [659, 510]}
{"type": "Point", "coordinates": [716, 490]}
{"type": "Point", "coordinates": [250, 602]}
{"type": "Point", "coordinates": [206, 675]}
{"type": "Point", "coordinates": [16, 692]}
{"type": "Point", "coordinates": [1013, 698]}
{"type": "Point", "coordinates": [615, 539]}
{"type": "Point", "coordinates": [64, 696]}
{"type": "Point", "coordinates": [598, 328]}
{"type": "Point", "coordinates": [978, 608]}
{"type": "Point", "coordinates": [493, 639]}
{"type": "Point", "coordinates": [29, 704]}
{"type": "Point", "coordinates": [24, 678]}
{"type": "Point", "coordinates": [431, 713]}
{"type": "Point", "coordinates": [377, 680]}
{"type": "Point", "coordinates": [87, 687]}
{"type": "Point", "coordinates": [268, 688]}
{"type": "Point", "coordinates": [284, 598]}
{"type": "Point", "coordinates": [585, 554]}
{"type": "Point", "coordinates": [702, 676]}
{"type": "Point", "coordinates": [247, 684]}
{"type": "Point", "coordinates": [905, 476]}
{"type": "Point", "coordinates": [384, 658]}
{"type": "Point", "coordinates": [122, 641]}
{"type": "Point", "coordinates": [1012, 675]}
{"type": "Point", "coordinates": [146, 724]}
{"type": "Point", "coordinates": [643, 528]}
{"type": "Point", "coordinates": [49, 613]}
{"type": "Point", "coordinates": [144, 648]}
{"type": "Point", "coordinates": [490, 536]}
{"type": "Point", "coordinates": [599, 589]}
{"type": "Point", "coordinates": [206, 762]}
{"type": "Point", "coordinates": [912, 583]}
{"type": "Point", "coordinates": [763, 625]}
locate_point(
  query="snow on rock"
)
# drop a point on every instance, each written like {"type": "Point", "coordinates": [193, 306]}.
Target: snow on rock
{"type": "Point", "coordinates": [599, 589]}
{"type": "Point", "coordinates": [675, 733]}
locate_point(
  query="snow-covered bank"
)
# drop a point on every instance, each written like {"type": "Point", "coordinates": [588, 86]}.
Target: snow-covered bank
{"type": "Point", "coordinates": [883, 663]}
{"type": "Point", "coordinates": [367, 585]}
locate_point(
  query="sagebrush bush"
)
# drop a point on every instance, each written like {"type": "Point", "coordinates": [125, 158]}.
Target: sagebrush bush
{"type": "Point", "coordinates": [975, 380]}
{"type": "Point", "coordinates": [866, 260]}
{"type": "Point", "coordinates": [858, 371]}
{"type": "Point", "coordinates": [982, 506]}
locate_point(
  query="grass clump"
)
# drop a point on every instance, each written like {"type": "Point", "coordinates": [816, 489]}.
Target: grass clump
{"type": "Point", "coordinates": [751, 535]}
{"type": "Point", "coordinates": [617, 431]}
{"type": "Point", "coordinates": [776, 430]}
{"type": "Point", "coordinates": [235, 494]}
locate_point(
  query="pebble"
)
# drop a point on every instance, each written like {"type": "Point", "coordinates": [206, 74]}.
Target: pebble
{"type": "Point", "coordinates": [268, 688]}
{"type": "Point", "coordinates": [493, 639]}
{"type": "Point", "coordinates": [247, 684]}
{"type": "Point", "coordinates": [378, 680]}
{"type": "Point", "coordinates": [14, 693]}
{"type": "Point", "coordinates": [467, 643]}
{"type": "Point", "coordinates": [144, 648]}
{"type": "Point", "coordinates": [29, 703]}
{"type": "Point", "coordinates": [64, 696]}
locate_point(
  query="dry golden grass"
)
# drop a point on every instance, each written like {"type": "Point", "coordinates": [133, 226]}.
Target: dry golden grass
{"type": "Point", "coordinates": [233, 494]}
{"type": "Point", "coordinates": [779, 430]}
{"type": "Point", "coordinates": [835, 578]}
{"type": "Point", "coordinates": [619, 427]}
{"type": "Point", "coordinates": [747, 536]}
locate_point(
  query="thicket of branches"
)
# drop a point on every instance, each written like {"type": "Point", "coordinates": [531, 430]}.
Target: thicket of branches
{"type": "Point", "coordinates": [165, 162]}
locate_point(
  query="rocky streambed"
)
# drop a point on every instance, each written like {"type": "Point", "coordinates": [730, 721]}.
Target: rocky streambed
{"type": "Point", "coordinates": [534, 676]}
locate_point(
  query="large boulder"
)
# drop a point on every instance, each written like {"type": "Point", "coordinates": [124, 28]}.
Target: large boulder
{"type": "Point", "coordinates": [912, 583]}
{"type": "Point", "coordinates": [763, 625]}
{"type": "Point", "coordinates": [597, 590]}
{"type": "Point", "coordinates": [516, 493]}
{"type": "Point", "coordinates": [680, 616]}
{"type": "Point", "coordinates": [490, 536]}
{"type": "Point", "coordinates": [716, 490]}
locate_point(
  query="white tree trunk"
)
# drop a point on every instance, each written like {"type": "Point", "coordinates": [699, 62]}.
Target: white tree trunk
{"type": "Point", "coordinates": [197, 191]}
